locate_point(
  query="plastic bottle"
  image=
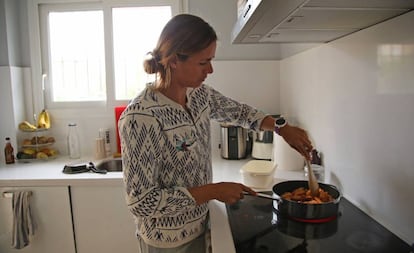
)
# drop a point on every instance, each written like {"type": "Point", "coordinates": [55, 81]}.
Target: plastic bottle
{"type": "Point", "coordinates": [104, 133]}
{"type": "Point", "coordinates": [73, 141]}
{"type": "Point", "coordinates": [8, 152]}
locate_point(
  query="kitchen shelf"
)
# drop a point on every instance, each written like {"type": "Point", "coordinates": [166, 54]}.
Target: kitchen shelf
{"type": "Point", "coordinates": [29, 160]}
{"type": "Point", "coordinates": [35, 130]}
{"type": "Point", "coordinates": [36, 145]}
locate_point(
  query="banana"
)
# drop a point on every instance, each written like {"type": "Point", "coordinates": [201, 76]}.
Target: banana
{"type": "Point", "coordinates": [43, 120]}
{"type": "Point", "coordinates": [41, 155]}
{"type": "Point", "coordinates": [26, 126]}
{"type": "Point", "coordinates": [29, 151]}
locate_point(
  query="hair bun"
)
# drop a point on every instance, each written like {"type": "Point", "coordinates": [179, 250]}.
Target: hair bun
{"type": "Point", "coordinates": [151, 63]}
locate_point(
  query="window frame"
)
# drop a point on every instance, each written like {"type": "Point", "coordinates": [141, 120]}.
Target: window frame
{"type": "Point", "coordinates": [39, 42]}
{"type": "Point", "coordinates": [45, 50]}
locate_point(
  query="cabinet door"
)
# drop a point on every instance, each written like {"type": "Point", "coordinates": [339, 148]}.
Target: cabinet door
{"type": "Point", "coordinates": [50, 211]}
{"type": "Point", "coordinates": [102, 220]}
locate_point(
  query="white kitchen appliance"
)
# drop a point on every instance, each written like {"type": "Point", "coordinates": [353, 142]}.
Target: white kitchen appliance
{"type": "Point", "coordinates": [263, 146]}
{"type": "Point", "coordinates": [285, 156]}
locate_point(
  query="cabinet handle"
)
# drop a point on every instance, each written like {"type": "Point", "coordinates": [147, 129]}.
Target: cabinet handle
{"type": "Point", "coordinates": [9, 195]}
{"type": "Point", "coordinates": [247, 11]}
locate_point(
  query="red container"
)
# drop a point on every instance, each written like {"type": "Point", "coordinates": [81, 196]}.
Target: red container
{"type": "Point", "coordinates": [118, 112]}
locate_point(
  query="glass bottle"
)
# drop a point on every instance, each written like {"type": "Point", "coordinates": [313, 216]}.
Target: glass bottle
{"type": "Point", "coordinates": [8, 152]}
{"type": "Point", "coordinates": [73, 141]}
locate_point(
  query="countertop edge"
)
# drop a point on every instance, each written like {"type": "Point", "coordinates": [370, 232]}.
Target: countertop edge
{"type": "Point", "coordinates": [221, 237]}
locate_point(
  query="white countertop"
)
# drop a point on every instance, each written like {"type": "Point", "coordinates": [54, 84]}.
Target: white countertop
{"type": "Point", "coordinates": [50, 174]}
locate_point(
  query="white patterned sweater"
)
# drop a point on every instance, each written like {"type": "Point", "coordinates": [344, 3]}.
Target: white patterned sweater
{"type": "Point", "coordinates": [165, 150]}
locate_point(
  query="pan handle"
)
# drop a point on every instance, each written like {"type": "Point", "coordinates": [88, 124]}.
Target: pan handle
{"type": "Point", "coordinates": [266, 196]}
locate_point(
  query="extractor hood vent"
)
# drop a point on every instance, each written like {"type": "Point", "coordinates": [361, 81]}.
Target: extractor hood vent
{"type": "Point", "coordinates": [310, 21]}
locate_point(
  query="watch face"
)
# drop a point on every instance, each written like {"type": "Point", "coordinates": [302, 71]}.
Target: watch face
{"type": "Point", "coordinates": [280, 121]}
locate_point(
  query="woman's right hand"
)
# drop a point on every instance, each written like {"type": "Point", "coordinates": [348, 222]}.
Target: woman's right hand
{"type": "Point", "coordinates": [227, 192]}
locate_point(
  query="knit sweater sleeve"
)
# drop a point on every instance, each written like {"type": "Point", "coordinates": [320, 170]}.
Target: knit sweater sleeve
{"type": "Point", "coordinates": [230, 111]}
{"type": "Point", "coordinates": [142, 142]}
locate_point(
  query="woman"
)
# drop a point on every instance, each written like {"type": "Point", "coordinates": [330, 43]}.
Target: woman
{"type": "Point", "coordinates": [165, 136]}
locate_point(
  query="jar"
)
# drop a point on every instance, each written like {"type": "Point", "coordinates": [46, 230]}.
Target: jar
{"type": "Point", "coordinates": [318, 170]}
{"type": "Point", "coordinates": [104, 133]}
{"type": "Point", "coordinates": [73, 141]}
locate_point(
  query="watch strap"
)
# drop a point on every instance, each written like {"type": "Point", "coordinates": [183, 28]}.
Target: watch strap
{"type": "Point", "coordinates": [279, 123]}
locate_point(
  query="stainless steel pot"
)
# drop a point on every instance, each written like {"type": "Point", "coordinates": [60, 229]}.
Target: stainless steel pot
{"type": "Point", "coordinates": [234, 141]}
{"type": "Point", "coordinates": [264, 136]}
{"type": "Point", "coordinates": [306, 212]}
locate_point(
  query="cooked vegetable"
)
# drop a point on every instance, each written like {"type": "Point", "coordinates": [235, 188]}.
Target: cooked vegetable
{"type": "Point", "coordinates": [303, 195]}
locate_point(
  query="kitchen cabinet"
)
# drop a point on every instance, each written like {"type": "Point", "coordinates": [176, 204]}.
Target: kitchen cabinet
{"type": "Point", "coordinates": [52, 215]}
{"type": "Point", "coordinates": [102, 221]}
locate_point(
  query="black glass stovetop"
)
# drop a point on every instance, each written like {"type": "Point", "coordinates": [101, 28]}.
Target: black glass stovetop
{"type": "Point", "coordinates": [256, 228]}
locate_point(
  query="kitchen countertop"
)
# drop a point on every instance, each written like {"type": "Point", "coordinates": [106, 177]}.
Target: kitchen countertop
{"type": "Point", "coordinates": [49, 173]}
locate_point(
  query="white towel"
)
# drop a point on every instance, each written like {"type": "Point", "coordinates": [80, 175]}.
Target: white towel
{"type": "Point", "coordinates": [23, 224]}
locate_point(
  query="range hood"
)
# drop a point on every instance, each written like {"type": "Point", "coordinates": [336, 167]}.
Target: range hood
{"type": "Point", "coordinates": [310, 21]}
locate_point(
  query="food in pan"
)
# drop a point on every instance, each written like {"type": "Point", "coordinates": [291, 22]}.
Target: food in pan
{"type": "Point", "coordinates": [303, 195]}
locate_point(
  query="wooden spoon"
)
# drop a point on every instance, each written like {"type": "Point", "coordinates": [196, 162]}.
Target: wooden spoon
{"type": "Point", "coordinates": [312, 181]}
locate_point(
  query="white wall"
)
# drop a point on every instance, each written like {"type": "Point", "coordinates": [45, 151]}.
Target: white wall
{"type": "Point", "coordinates": [12, 103]}
{"type": "Point", "coordinates": [253, 82]}
{"type": "Point", "coordinates": [355, 96]}
{"type": "Point", "coordinates": [13, 26]}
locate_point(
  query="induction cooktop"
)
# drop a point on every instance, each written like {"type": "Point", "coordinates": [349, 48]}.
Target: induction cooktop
{"type": "Point", "coordinates": [257, 228]}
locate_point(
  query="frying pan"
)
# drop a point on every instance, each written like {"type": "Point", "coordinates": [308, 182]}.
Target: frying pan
{"type": "Point", "coordinates": [315, 213]}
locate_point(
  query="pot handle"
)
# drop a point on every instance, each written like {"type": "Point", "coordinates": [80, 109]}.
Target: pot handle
{"type": "Point", "coordinates": [336, 200]}
{"type": "Point", "coordinates": [266, 196]}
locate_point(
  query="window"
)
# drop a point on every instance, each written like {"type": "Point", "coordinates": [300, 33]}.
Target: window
{"type": "Point", "coordinates": [132, 44]}
{"type": "Point", "coordinates": [93, 52]}
{"type": "Point", "coordinates": [77, 56]}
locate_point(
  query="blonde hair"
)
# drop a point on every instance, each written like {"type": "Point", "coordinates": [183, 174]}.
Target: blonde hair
{"type": "Point", "coordinates": [181, 37]}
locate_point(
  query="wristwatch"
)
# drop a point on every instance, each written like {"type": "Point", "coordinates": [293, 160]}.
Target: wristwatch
{"type": "Point", "coordinates": [279, 123]}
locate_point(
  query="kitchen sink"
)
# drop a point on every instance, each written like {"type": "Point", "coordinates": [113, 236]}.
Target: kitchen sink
{"type": "Point", "coordinates": [111, 165]}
